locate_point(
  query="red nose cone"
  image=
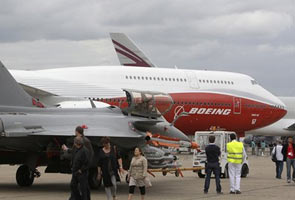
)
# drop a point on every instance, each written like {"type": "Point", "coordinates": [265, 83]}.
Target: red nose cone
{"type": "Point", "coordinates": [275, 115]}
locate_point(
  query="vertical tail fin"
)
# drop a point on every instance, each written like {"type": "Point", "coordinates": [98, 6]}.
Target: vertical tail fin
{"type": "Point", "coordinates": [128, 53]}
{"type": "Point", "coordinates": [11, 93]}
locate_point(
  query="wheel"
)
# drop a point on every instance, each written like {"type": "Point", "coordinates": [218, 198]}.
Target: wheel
{"type": "Point", "coordinates": [24, 176]}
{"type": "Point", "coordinates": [92, 179]}
{"type": "Point", "coordinates": [177, 173]}
{"type": "Point", "coordinates": [201, 175]}
{"type": "Point", "coordinates": [245, 171]}
{"type": "Point", "coordinates": [164, 172]}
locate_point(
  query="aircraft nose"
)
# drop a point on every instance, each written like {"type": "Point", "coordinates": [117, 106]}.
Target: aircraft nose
{"type": "Point", "coordinates": [275, 114]}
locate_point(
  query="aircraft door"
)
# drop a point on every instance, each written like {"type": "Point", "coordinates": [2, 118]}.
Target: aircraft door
{"type": "Point", "coordinates": [192, 79]}
{"type": "Point", "coordinates": [237, 104]}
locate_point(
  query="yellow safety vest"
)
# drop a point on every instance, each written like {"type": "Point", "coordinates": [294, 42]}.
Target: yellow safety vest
{"type": "Point", "coordinates": [235, 152]}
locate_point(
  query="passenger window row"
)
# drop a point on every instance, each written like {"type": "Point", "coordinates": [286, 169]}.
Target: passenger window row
{"type": "Point", "coordinates": [149, 78]}
{"type": "Point", "coordinates": [202, 103]}
{"type": "Point", "coordinates": [216, 82]}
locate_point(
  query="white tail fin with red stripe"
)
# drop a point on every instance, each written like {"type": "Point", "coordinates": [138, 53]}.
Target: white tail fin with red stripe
{"type": "Point", "coordinates": [128, 53]}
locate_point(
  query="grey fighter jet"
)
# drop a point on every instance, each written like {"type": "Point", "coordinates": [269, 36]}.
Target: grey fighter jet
{"type": "Point", "coordinates": [31, 134]}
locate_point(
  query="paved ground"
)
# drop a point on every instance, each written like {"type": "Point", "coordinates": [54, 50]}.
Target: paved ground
{"type": "Point", "coordinates": [260, 184]}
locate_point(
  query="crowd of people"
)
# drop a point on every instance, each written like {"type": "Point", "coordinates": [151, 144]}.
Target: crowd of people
{"type": "Point", "coordinates": [284, 153]}
{"type": "Point", "coordinates": [110, 168]}
{"type": "Point", "coordinates": [258, 148]}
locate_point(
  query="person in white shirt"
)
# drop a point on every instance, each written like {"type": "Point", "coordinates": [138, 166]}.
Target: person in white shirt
{"type": "Point", "coordinates": [279, 159]}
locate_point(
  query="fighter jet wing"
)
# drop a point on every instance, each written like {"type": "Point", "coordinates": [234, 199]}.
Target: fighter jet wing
{"type": "Point", "coordinates": [63, 123]}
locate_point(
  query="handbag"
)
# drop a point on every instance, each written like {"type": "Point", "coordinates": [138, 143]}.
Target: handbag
{"type": "Point", "coordinates": [274, 156]}
{"type": "Point", "coordinates": [147, 182]}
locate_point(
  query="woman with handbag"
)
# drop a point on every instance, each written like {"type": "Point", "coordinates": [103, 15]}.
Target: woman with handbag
{"type": "Point", "coordinates": [109, 164]}
{"type": "Point", "coordinates": [137, 174]}
{"type": "Point", "coordinates": [278, 158]}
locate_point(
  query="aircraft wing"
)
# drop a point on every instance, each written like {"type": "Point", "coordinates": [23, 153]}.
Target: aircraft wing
{"type": "Point", "coordinates": [128, 53]}
{"type": "Point", "coordinates": [62, 123]}
{"type": "Point", "coordinates": [37, 84]}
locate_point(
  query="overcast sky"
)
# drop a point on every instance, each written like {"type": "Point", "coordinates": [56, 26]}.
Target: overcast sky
{"type": "Point", "coordinates": [255, 37]}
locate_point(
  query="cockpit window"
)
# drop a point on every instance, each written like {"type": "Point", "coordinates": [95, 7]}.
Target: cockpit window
{"type": "Point", "coordinates": [254, 82]}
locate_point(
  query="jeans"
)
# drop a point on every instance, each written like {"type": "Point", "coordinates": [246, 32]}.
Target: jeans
{"type": "Point", "coordinates": [290, 162]}
{"type": "Point", "coordinates": [212, 167]}
{"type": "Point", "coordinates": [279, 168]}
{"type": "Point", "coordinates": [111, 191]}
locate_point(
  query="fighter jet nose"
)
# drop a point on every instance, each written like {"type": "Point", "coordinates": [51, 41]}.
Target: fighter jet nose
{"type": "Point", "coordinates": [176, 133]}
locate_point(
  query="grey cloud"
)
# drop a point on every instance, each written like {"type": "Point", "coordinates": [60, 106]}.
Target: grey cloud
{"type": "Point", "coordinates": [255, 37]}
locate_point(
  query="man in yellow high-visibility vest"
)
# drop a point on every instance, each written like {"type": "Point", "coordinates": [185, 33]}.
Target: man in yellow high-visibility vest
{"type": "Point", "coordinates": [235, 157]}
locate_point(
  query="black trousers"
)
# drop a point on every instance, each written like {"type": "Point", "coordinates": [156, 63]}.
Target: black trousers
{"type": "Point", "coordinates": [212, 167]}
{"type": "Point", "coordinates": [79, 187]}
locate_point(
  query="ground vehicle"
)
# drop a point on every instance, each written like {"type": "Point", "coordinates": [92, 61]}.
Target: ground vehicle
{"type": "Point", "coordinates": [221, 139]}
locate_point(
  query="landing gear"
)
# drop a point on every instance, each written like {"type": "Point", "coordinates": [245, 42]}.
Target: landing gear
{"type": "Point", "coordinates": [25, 176]}
{"type": "Point", "coordinates": [92, 179]}
{"type": "Point", "coordinates": [164, 173]}
{"type": "Point", "coordinates": [200, 174]}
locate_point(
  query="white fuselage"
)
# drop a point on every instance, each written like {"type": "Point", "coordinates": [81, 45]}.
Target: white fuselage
{"type": "Point", "coordinates": [230, 101]}
{"type": "Point", "coordinates": [108, 82]}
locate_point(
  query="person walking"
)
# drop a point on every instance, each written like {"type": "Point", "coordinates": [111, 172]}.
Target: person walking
{"type": "Point", "coordinates": [109, 163]}
{"type": "Point", "coordinates": [235, 156]}
{"type": "Point", "coordinates": [278, 158]}
{"type": "Point", "coordinates": [289, 156]}
{"type": "Point", "coordinates": [137, 173]}
{"type": "Point", "coordinates": [263, 145]}
{"type": "Point", "coordinates": [80, 163]}
{"type": "Point", "coordinates": [258, 148]}
{"type": "Point", "coordinates": [79, 132]}
{"type": "Point", "coordinates": [213, 153]}
{"type": "Point", "coordinates": [253, 145]}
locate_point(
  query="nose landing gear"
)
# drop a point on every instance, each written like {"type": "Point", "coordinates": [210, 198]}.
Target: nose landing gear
{"type": "Point", "coordinates": [25, 176]}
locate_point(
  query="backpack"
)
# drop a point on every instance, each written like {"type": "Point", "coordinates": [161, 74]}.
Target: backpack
{"type": "Point", "coordinates": [274, 156]}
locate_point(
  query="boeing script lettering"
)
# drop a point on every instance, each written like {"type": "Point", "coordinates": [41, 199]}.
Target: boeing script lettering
{"type": "Point", "coordinates": [210, 111]}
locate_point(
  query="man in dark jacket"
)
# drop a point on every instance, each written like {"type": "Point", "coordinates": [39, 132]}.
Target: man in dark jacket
{"type": "Point", "coordinates": [212, 153]}
{"type": "Point", "coordinates": [289, 156]}
{"type": "Point", "coordinates": [79, 131]}
{"type": "Point", "coordinates": [80, 164]}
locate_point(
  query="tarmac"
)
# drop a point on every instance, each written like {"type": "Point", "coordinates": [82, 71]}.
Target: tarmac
{"type": "Point", "coordinates": [260, 184]}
